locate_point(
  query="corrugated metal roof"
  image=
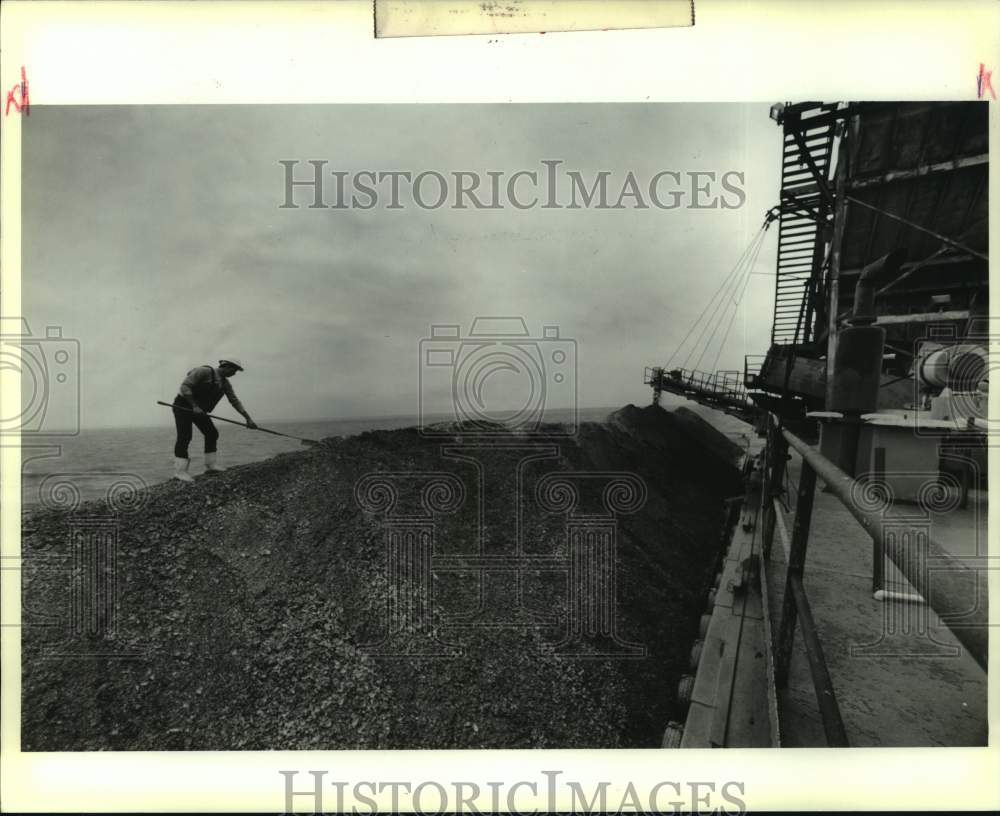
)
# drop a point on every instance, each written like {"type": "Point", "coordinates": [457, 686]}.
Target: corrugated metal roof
{"type": "Point", "coordinates": [924, 162]}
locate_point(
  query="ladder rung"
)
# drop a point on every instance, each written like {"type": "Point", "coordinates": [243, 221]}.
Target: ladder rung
{"type": "Point", "coordinates": [801, 185]}
{"type": "Point", "coordinates": [787, 176]}
{"type": "Point", "coordinates": [794, 156]}
{"type": "Point", "coordinates": [804, 189]}
{"type": "Point", "coordinates": [814, 141]}
{"type": "Point", "coordinates": [810, 136]}
{"type": "Point", "coordinates": [801, 188]}
{"type": "Point", "coordinates": [817, 152]}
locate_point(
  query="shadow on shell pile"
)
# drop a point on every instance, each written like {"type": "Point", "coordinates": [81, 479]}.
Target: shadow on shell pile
{"type": "Point", "coordinates": [245, 602]}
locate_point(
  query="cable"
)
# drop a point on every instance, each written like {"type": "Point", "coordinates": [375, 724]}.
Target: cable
{"type": "Point", "coordinates": [740, 271]}
{"type": "Point", "coordinates": [741, 285]}
{"type": "Point", "coordinates": [700, 320]}
{"type": "Point", "coordinates": [745, 279]}
{"type": "Point", "coordinates": [736, 304]}
{"type": "Point", "coordinates": [758, 238]}
{"type": "Point", "coordinates": [927, 260]}
{"type": "Point", "coordinates": [701, 317]}
{"type": "Point", "coordinates": [945, 239]}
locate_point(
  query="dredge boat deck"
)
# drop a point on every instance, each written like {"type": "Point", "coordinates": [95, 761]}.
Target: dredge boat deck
{"type": "Point", "coordinates": [899, 675]}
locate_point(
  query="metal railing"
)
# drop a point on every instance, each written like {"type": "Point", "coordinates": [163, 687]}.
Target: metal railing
{"type": "Point", "coordinates": [723, 386]}
{"type": "Point", "coordinates": [752, 364]}
{"type": "Point", "coordinates": [796, 609]}
{"type": "Point", "coordinates": [947, 594]}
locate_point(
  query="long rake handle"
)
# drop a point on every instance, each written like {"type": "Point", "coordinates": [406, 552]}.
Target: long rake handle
{"type": "Point", "coordinates": [241, 424]}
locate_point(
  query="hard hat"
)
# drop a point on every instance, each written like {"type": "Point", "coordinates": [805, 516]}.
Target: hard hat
{"type": "Point", "coordinates": [232, 361]}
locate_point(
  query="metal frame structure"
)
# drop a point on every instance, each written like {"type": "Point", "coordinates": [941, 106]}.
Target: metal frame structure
{"type": "Point", "coordinates": [954, 580]}
{"type": "Point", "coordinates": [858, 181]}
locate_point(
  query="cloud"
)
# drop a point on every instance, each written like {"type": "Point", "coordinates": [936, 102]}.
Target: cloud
{"type": "Point", "coordinates": [154, 236]}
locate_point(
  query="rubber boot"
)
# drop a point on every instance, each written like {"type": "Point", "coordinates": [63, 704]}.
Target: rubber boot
{"type": "Point", "coordinates": [181, 470]}
{"type": "Point", "coordinates": [211, 466]}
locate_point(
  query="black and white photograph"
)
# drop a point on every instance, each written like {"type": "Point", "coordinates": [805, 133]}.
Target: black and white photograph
{"type": "Point", "coordinates": [468, 427]}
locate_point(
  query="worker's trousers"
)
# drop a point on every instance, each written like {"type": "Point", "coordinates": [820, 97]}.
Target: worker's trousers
{"type": "Point", "coordinates": [184, 420]}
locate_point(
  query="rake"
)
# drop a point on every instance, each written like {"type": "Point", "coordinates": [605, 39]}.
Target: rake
{"type": "Point", "coordinates": [243, 424]}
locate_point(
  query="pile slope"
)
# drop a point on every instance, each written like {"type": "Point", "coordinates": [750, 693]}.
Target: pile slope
{"type": "Point", "coordinates": [245, 603]}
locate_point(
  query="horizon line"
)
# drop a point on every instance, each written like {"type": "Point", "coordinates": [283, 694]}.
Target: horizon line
{"type": "Point", "coordinates": [416, 417]}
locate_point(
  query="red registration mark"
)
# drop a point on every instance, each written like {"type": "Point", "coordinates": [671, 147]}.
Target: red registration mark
{"type": "Point", "coordinates": [18, 97]}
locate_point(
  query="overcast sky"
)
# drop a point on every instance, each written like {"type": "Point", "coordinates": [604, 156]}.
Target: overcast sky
{"type": "Point", "coordinates": [154, 236]}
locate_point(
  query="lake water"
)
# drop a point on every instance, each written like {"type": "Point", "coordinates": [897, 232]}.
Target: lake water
{"type": "Point", "coordinates": [60, 470]}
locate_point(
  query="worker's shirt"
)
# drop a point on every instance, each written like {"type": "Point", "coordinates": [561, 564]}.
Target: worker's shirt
{"type": "Point", "coordinates": [204, 386]}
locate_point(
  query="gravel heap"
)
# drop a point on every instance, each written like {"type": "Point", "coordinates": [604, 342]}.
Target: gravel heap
{"type": "Point", "coordinates": [246, 600]}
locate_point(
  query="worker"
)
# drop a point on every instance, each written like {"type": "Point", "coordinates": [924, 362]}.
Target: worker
{"type": "Point", "coordinates": [201, 390]}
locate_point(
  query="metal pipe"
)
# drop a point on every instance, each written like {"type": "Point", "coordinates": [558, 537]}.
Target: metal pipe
{"type": "Point", "coordinates": [889, 595]}
{"type": "Point", "coordinates": [833, 723]}
{"type": "Point", "coordinates": [878, 554]}
{"type": "Point", "coordinates": [954, 583]}
{"type": "Point", "coordinates": [833, 299]}
{"type": "Point", "coordinates": [863, 313]}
